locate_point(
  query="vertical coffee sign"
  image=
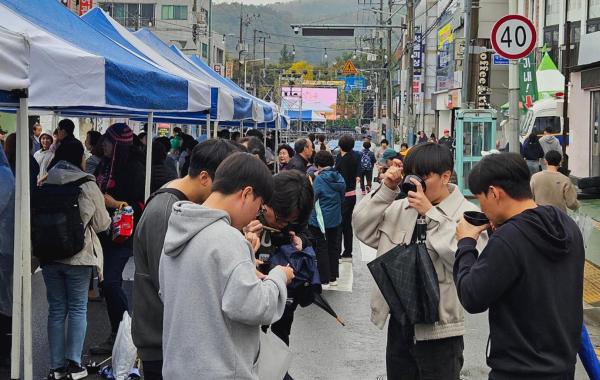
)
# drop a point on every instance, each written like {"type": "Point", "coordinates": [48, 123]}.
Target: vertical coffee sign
{"type": "Point", "coordinates": [483, 82]}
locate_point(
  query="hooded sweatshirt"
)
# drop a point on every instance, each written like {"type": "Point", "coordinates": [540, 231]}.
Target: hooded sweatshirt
{"type": "Point", "coordinates": [329, 188]}
{"type": "Point", "coordinates": [214, 304]}
{"type": "Point", "coordinates": [530, 277]}
{"type": "Point", "coordinates": [550, 142]}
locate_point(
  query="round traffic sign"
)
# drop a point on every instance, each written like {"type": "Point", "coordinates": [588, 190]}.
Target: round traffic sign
{"type": "Point", "coordinates": [513, 36]}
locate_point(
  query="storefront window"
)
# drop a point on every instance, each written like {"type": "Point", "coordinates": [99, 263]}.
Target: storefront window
{"type": "Point", "coordinates": [553, 12]}
{"type": "Point", "coordinates": [593, 9]}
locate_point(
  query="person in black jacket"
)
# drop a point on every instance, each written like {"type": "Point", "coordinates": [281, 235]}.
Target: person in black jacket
{"type": "Point", "coordinates": [533, 153]}
{"type": "Point", "coordinates": [304, 151]}
{"type": "Point", "coordinates": [161, 173]}
{"type": "Point", "coordinates": [529, 276]}
{"type": "Point", "coordinates": [348, 165]}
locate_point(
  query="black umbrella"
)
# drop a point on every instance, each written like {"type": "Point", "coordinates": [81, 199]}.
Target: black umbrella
{"type": "Point", "coordinates": [321, 302]}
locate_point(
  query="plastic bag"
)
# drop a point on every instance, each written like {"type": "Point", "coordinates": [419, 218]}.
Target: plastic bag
{"type": "Point", "coordinates": [124, 352]}
{"type": "Point", "coordinates": [585, 224]}
{"type": "Point", "coordinates": [274, 357]}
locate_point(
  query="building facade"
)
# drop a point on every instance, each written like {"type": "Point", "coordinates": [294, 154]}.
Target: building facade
{"type": "Point", "coordinates": [183, 23]}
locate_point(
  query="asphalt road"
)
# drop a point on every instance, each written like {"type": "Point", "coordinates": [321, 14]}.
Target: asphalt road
{"type": "Point", "coordinates": [323, 349]}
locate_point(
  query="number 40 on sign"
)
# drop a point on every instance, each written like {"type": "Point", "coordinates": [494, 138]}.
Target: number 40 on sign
{"type": "Point", "coordinates": [513, 36]}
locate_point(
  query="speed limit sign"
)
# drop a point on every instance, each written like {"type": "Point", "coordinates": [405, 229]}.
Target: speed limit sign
{"type": "Point", "coordinates": [513, 36]}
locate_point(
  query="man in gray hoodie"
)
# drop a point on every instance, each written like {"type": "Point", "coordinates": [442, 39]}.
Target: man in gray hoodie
{"type": "Point", "coordinates": [549, 141]}
{"type": "Point", "coordinates": [147, 320]}
{"type": "Point", "coordinates": [214, 299]}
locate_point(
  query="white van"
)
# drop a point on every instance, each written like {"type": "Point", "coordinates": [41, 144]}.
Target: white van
{"type": "Point", "coordinates": [544, 113]}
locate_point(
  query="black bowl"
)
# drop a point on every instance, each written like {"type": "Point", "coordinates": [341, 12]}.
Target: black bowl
{"type": "Point", "coordinates": [476, 218]}
{"type": "Point", "coordinates": [407, 184]}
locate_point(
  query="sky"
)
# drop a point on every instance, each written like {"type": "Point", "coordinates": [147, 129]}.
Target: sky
{"type": "Point", "coordinates": [253, 2]}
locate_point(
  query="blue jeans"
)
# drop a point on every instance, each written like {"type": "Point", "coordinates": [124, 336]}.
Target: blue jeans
{"type": "Point", "coordinates": [115, 259]}
{"type": "Point", "coordinates": [66, 291]}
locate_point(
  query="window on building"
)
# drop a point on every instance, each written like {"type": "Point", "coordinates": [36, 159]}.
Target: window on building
{"type": "Point", "coordinates": [593, 23]}
{"type": "Point", "coordinates": [553, 12]}
{"type": "Point", "coordinates": [541, 123]}
{"type": "Point", "coordinates": [551, 41]}
{"type": "Point", "coordinates": [220, 56]}
{"type": "Point", "coordinates": [204, 50]}
{"type": "Point", "coordinates": [575, 10]}
{"type": "Point", "coordinates": [130, 15]}
{"type": "Point", "coordinates": [174, 12]}
{"type": "Point", "coordinates": [575, 38]}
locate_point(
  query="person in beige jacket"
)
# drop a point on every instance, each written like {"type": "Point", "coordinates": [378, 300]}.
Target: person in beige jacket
{"type": "Point", "coordinates": [552, 188]}
{"type": "Point", "coordinates": [433, 351]}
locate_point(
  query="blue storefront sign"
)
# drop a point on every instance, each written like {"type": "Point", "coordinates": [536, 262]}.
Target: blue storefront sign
{"type": "Point", "coordinates": [498, 60]}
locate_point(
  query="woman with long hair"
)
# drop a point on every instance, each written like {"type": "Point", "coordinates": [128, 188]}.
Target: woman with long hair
{"type": "Point", "coordinates": [120, 176]}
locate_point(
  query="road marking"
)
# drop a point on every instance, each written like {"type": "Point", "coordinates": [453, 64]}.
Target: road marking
{"type": "Point", "coordinates": [591, 284]}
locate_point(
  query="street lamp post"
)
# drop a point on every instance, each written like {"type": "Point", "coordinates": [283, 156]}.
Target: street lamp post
{"type": "Point", "coordinates": [245, 71]}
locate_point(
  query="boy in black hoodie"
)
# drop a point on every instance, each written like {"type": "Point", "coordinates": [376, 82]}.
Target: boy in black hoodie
{"type": "Point", "coordinates": [529, 276]}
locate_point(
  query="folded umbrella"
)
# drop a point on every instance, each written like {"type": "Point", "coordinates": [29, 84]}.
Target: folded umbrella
{"type": "Point", "coordinates": [321, 302]}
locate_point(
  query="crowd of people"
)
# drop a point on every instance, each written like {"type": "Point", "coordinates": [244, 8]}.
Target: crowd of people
{"type": "Point", "coordinates": [200, 306]}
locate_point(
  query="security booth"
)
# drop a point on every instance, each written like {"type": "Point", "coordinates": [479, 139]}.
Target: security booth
{"type": "Point", "coordinates": [475, 132]}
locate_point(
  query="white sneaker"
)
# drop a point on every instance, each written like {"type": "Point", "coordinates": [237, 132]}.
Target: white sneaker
{"type": "Point", "coordinates": [325, 286]}
{"type": "Point", "coordinates": [333, 283]}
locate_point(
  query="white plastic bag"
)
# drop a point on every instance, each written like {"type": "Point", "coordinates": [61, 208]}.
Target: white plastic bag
{"type": "Point", "coordinates": [274, 357]}
{"type": "Point", "coordinates": [585, 224]}
{"type": "Point", "coordinates": [124, 352]}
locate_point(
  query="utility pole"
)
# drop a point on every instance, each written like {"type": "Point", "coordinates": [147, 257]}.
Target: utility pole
{"type": "Point", "coordinates": [466, 85]}
{"type": "Point", "coordinates": [210, 47]}
{"type": "Point", "coordinates": [241, 40]}
{"type": "Point", "coordinates": [380, 81]}
{"type": "Point", "coordinates": [567, 74]}
{"type": "Point", "coordinates": [513, 95]}
{"type": "Point", "coordinates": [389, 112]}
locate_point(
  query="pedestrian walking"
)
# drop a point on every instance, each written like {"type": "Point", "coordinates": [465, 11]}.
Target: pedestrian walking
{"type": "Point", "coordinates": [549, 142]}
{"type": "Point", "coordinates": [147, 320]}
{"type": "Point", "coordinates": [532, 153]}
{"type": "Point", "coordinates": [67, 279]}
{"type": "Point", "coordinates": [284, 154]}
{"type": "Point", "coordinates": [226, 300]}
{"type": "Point", "coordinates": [367, 161]}
{"type": "Point", "coordinates": [94, 147]}
{"type": "Point", "coordinates": [329, 191]}
{"type": "Point", "coordinates": [304, 151]}
{"type": "Point", "coordinates": [382, 147]}
{"type": "Point", "coordinates": [552, 188]}
{"type": "Point", "coordinates": [44, 155]}
{"type": "Point", "coordinates": [447, 140]}
{"type": "Point", "coordinates": [529, 276]}
{"type": "Point", "coordinates": [348, 165]}
{"type": "Point", "coordinates": [421, 351]}
{"type": "Point", "coordinates": [120, 176]}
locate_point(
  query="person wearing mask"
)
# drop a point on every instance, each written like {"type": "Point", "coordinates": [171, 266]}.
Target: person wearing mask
{"type": "Point", "coordinates": [7, 234]}
{"type": "Point", "coordinates": [529, 276]}
{"type": "Point", "coordinates": [304, 151]}
{"type": "Point", "coordinates": [447, 140]}
{"type": "Point", "coordinates": [552, 188]}
{"type": "Point", "coordinates": [348, 165]}
{"type": "Point", "coordinates": [549, 142]}
{"type": "Point", "coordinates": [93, 146]}
{"type": "Point", "coordinates": [67, 279]}
{"type": "Point", "coordinates": [367, 161]}
{"type": "Point", "coordinates": [422, 137]}
{"type": "Point", "coordinates": [120, 176]}
{"type": "Point", "coordinates": [44, 155]}
{"type": "Point", "coordinates": [329, 190]}
{"type": "Point", "coordinates": [420, 351]}
{"type": "Point", "coordinates": [533, 153]}
{"type": "Point", "coordinates": [226, 300]}
{"type": "Point", "coordinates": [284, 154]}
{"type": "Point", "coordinates": [147, 322]}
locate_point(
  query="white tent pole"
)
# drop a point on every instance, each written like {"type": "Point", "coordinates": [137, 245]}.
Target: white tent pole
{"type": "Point", "coordinates": [242, 128]}
{"type": "Point", "coordinates": [208, 126]}
{"type": "Point", "coordinates": [15, 355]}
{"type": "Point", "coordinates": [277, 121]}
{"type": "Point", "coordinates": [149, 140]}
{"type": "Point", "coordinates": [216, 129]}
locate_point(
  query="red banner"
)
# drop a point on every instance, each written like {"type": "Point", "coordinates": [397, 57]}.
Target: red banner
{"type": "Point", "coordinates": [84, 6]}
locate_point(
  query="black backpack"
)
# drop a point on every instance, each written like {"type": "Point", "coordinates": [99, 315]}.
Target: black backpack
{"type": "Point", "coordinates": [57, 231]}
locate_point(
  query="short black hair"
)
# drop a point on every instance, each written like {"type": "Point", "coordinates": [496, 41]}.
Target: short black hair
{"type": "Point", "coordinates": [548, 129]}
{"type": "Point", "coordinates": [256, 133]}
{"type": "Point", "coordinates": [287, 148]}
{"type": "Point", "coordinates": [428, 158]}
{"type": "Point", "coordinates": [224, 134]}
{"type": "Point", "coordinates": [404, 145]}
{"type": "Point", "coordinates": [187, 142]}
{"type": "Point", "coordinates": [177, 130]}
{"type": "Point", "coordinates": [141, 135]}
{"type": "Point", "coordinates": [235, 135]}
{"type": "Point", "coordinates": [367, 145]}
{"type": "Point", "coordinates": [159, 152]}
{"type": "Point", "coordinates": [323, 158]}
{"type": "Point", "coordinates": [553, 158]}
{"type": "Point", "coordinates": [346, 143]}
{"type": "Point", "coordinates": [311, 137]}
{"type": "Point", "coordinates": [208, 155]}
{"type": "Point", "coordinates": [384, 141]}
{"type": "Point", "coordinates": [321, 138]}
{"type": "Point", "coordinates": [70, 150]}
{"type": "Point", "coordinates": [294, 193]}
{"type": "Point", "coordinates": [241, 170]}
{"type": "Point", "coordinates": [300, 145]}
{"type": "Point", "coordinates": [164, 140]}
{"type": "Point", "coordinates": [255, 146]}
{"type": "Point", "coordinates": [67, 125]}
{"type": "Point", "coordinates": [505, 170]}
